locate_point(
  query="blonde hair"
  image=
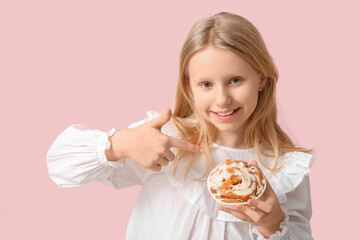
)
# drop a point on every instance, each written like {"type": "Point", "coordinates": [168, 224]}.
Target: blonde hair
{"type": "Point", "coordinates": [235, 33]}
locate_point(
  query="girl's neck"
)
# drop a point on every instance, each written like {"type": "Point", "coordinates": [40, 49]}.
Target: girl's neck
{"type": "Point", "coordinates": [231, 140]}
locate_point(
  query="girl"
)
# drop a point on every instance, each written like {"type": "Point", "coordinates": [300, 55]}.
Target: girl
{"type": "Point", "coordinates": [225, 108]}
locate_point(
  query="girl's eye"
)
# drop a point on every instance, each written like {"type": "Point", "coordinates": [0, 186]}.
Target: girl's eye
{"type": "Point", "coordinates": [235, 80]}
{"type": "Point", "coordinates": [205, 85]}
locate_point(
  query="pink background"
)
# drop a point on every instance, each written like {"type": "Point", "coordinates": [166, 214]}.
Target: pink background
{"type": "Point", "coordinates": [105, 63]}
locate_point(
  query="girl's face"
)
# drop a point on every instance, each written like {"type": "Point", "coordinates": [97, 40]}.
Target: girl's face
{"type": "Point", "coordinates": [225, 89]}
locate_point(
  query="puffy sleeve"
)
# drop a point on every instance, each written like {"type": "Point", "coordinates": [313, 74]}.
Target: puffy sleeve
{"type": "Point", "coordinates": [77, 157]}
{"type": "Point", "coordinates": [292, 186]}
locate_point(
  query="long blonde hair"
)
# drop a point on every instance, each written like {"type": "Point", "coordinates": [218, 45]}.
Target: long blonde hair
{"type": "Point", "coordinates": [235, 33]}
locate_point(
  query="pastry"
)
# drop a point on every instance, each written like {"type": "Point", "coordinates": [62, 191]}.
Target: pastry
{"type": "Point", "coordinates": [236, 182]}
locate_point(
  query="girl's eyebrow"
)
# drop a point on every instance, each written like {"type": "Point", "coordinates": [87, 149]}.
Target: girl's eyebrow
{"type": "Point", "coordinates": [203, 79]}
{"type": "Point", "coordinates": [227, 77]}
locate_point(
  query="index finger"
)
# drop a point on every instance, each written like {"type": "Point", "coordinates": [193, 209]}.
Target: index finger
{"type": "Point", "coordinates": [185, 145]}
{"type": "Point", "coordinates": [258, 204]}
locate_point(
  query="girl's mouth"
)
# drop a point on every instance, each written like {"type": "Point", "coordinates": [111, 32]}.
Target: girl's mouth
{"type": "Point", "coordinates": [226, 115]}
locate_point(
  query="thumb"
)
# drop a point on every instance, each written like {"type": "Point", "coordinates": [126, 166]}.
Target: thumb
{"type": "Point", "coordinates": [160, 121]}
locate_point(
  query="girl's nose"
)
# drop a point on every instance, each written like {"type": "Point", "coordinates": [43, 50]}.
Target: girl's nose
{"type": "Point", "coordinates": [223, 97]}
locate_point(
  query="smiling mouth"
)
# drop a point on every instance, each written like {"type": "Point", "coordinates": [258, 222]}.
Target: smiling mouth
{"type": "Point", "coordinates": [227, 113]}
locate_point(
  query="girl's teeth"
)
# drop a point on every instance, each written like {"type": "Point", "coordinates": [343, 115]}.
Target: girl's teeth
{"type": "Point", "coordinates": [226, 114]}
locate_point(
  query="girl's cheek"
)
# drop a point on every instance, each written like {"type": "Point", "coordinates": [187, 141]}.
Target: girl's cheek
{"type": "Point", "coordinates": [199, 103]}
{"type": "Point", "coordinates": [201, 98]}
{"type": "Point", "coordinates": [249, 95]}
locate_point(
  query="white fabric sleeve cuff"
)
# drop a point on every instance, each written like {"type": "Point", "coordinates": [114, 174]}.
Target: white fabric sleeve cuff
{"type": "Point", "coordinates": [279, 235]}
{"type": "Point", "coordinates": [103, 145]}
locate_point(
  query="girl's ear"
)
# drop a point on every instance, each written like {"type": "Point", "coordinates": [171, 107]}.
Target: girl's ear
{"type": "Point", "coordinates": [263, 80]}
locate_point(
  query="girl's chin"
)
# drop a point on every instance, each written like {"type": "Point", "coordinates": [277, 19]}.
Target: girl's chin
{"type": "Point", "coordinates": [227, 129]}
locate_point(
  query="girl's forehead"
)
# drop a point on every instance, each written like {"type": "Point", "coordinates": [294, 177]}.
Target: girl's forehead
{"type": "Point", "coordinates": [213, 61]}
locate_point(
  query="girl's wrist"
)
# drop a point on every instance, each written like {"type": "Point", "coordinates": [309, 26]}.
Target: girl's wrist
{"type": "Point", "coordinates": [267, 231]}
{"type": "Point", "coordinates": [114, 154]}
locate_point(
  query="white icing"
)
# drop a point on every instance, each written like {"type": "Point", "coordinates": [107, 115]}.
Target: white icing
{"type": "Point", "coordinates": [248, 184]}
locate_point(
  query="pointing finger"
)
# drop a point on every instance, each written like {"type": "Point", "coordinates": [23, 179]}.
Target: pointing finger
{"type": "Point", "coordinates": [160, 121]}
{"type": "Point", "coordinates": [185, 145]}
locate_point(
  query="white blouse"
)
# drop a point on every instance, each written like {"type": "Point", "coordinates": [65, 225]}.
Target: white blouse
{"type": "Point", "coordinates": [166, 207]}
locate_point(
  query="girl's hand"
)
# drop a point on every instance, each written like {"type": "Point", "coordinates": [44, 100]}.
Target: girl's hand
{"type": "Point", "coordinates": [147, 145]}
{"type": "Point", "coordinates": [265, 214]}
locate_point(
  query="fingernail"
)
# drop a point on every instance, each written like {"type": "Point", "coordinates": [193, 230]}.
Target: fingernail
{"type": "Point", "coordinates": [201, 150]}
